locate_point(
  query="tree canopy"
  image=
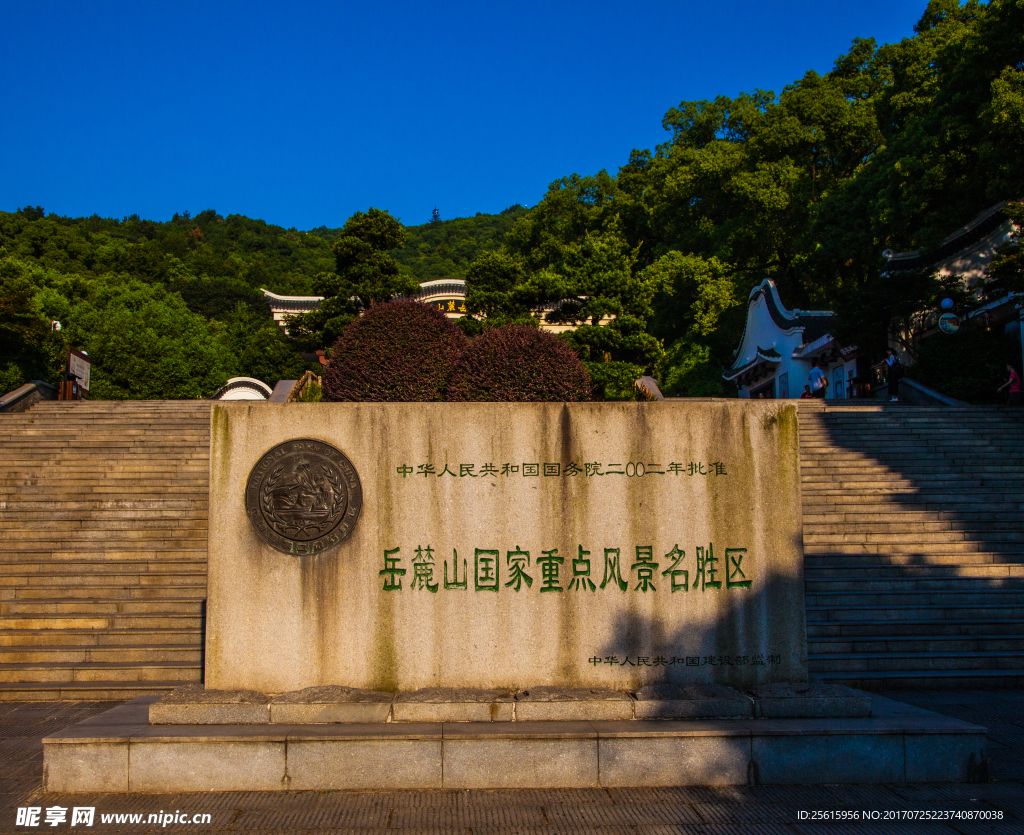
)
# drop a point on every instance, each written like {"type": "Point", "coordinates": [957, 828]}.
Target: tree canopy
{"type": "Point", "coordinates": [894, 148]}
{"type": "Point", "coordinates": [365, 273]}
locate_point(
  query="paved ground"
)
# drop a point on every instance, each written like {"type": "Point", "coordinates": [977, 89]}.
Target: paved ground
{"type": "Point", "coordinates": [759, 810]}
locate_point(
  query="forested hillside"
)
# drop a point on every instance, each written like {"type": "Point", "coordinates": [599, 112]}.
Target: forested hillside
{"type": "Point", "coordinates": [174, 309]}
{"type": "Point", "coordinates": [894, 148]}
{"type": "Point", "coordinates": [163, 309]}
{"type": "Point", "coordinates": [446, 248]}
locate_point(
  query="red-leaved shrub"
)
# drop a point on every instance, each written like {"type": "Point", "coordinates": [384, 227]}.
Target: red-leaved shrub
{"type": "Point", "coordinates": [517, 363]}
{"type": "Point", "coordinates": [398, 351]}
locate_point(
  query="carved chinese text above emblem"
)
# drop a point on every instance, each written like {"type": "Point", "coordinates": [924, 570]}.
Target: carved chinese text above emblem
{"type": "Point", "coordinates": [303, 497]}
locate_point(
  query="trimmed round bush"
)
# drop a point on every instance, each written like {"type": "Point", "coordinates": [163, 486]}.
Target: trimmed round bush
{"type": "Point", "coordinates": [399, 351]}
{"type": "Point", "coordinates": [518, 363]}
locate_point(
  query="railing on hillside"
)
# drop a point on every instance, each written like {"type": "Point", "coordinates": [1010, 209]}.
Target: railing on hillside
{"type": "Point", "coordinates": [302, 386]}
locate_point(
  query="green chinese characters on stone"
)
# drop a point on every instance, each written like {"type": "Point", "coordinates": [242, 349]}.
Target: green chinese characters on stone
{"type": "Point", "coordinates": [485, 569]}
{"type": "Point", "coordinates": [391, 573]}
{"type": "Point", "coordinates": [455, 584]}
{"type": "Point", "coordinates": [518, 561]}
{"type": "Point", "coordinates": [581, 573]}
{"type": "Point", "coordinates": [423, 568]}
{"type": "Point", "coordinates": [709, 572]}
{"type": "Point", "coordinates": [612, 569]}
{"type": "Point", "coordinates": [674, 573]}
{"type": "Point", "coordinates": [550, 565]}
{"type": "Point", "coordinates": [645, 566]}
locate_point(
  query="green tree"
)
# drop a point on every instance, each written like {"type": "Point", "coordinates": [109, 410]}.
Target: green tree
{"type": "Point", "coordinates": [259, 348]}
{"type": "Point", "coordinates": [146, 344]}
{"type": "Point", "coordinates": [364, 274]}
{"type": "Point", "coordinates": [28, 348]}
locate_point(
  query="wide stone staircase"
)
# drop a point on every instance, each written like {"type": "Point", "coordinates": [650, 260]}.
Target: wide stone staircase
{"type": "Point", "coordinates": [103, 517]}
{"type": "Point", "coordinates": [913, 544]}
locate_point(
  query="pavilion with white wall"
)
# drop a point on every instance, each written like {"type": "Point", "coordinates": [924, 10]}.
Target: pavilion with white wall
{"type": "Point", "coordinates": [778, 347]}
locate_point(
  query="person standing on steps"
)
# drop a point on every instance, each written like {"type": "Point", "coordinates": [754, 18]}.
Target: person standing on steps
{"type": "Point", "coordinates": [807, 393]}
{"type": "Point", "coordinates": [1013, 396]}
{"type": "Point", "coordinates": [817, 379]}
{"type": "Point", "coordinates": [893, 373]}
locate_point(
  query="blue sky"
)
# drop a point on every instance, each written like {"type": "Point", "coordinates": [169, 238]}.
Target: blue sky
{"type": "Point", "coordinates": [302, 113]}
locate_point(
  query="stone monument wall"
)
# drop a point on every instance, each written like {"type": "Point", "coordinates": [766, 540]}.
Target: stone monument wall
{"type": "Point", "coordinates": [396, 546]}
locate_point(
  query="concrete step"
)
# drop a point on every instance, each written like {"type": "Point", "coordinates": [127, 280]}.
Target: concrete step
{"type": "Point", "coordinates": [114, 576]}
{"type": "Point", "coordinates": [927, 487]}
{"type": "Point", "coordinates": [98, 515]}
{"type": "Point", "coordinates": [101, 492]}
{"type": "Point", "coordinates": [45, 505]}
{"type": "Point", "coordinates": [168, 635]}
{"type": "Point", "coordinates": [70, 526]}
{"type": "Point", "coordinates": [903, 527]}
{"type": "Point", "coordinates": [988, 572]}
{"type": "Point", "coordinates": [910, 597]}
{"type": "Point", "coordinates": [844, 536]}
{"type": "Point", "coordinates": [106, 592]}
{"type": "Point", "coordinates": [105, 621]}
{"type": "Point", "coordinates": [867, 629]}
{"type": "Point", "coordinates": [881, 473]}
{"type": "Point", "coordinates": [978, 499]}
{"type": "Point", "coordinates": [93, 568]}
{"type": "Point", "coordinates": [922, 549]}
{"type": "Point", "coordinates": [57, 539]}
{"type": "Point", "coordinates": [898, 559]}
{"type": "Point", "coordinates": [869, 662]}
{"type": "Point", "coordinates": [905, 585]}
{"type": "Point", "coordinates": [928, 679]}
{"type": "Point", "coordinates": [59, 607]}
{"type": "Point", "coordinates": [910, 502]}
{"type": "Point", "coordinates": [170, 554]}
{"type": "Point", "coordinates": [916, 644]}
{"type": "Point", "coordinates": [84, 690]}
{"type": "Point", "coordinates": [59, 477]}
{"type": "Point", "coordinates": [137, 654]}
{"type": "Point", "coordinates": [907, 612]}
{"type": "Point", "coordinates": [966, 520]}
{"type": "Point", "coordinates": [96, 671]}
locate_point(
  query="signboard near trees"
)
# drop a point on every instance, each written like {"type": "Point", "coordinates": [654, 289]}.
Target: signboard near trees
{"type": "Point", "coordinates": [79, 367]}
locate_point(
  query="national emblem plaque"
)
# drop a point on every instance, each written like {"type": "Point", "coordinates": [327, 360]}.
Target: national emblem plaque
{"type": "Point", "coordinates": [303, 497]}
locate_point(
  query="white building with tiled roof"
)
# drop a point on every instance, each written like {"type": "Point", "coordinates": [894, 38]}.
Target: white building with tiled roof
{"type": "Point", "coordinates": [779, 346]}
{"type": "Point", "coordinates": [284, 306]}
{"type": "Point", "coordinates": [448, 295]}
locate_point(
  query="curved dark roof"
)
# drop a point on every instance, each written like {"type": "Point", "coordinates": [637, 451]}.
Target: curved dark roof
{"type": "Point", "coordinates": [951, 246]}
{"type": "Point", "coordinates": [813, 325]}
{"type": "Point", "coordinates": [761, 355]}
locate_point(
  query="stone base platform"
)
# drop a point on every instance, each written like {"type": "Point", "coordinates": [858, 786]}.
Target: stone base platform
{"type": "Point", "coordinates": [120, 751]}
{"type": "Point", "coordinates": [194, 705]}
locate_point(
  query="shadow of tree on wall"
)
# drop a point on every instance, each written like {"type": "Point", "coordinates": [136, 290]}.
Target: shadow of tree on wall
{"type": "Point", "coordinates": [748, 641]}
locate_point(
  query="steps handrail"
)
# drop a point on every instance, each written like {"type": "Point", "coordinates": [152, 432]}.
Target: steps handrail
{"type": "Point", "coordinates": [938, 398]}
{"type": "Point", "coordinates": [15, 401]}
